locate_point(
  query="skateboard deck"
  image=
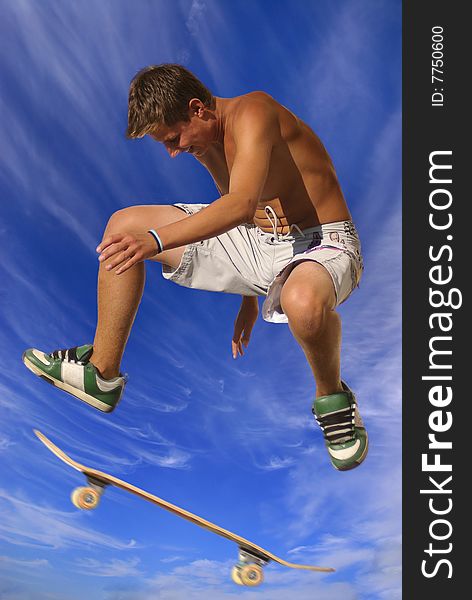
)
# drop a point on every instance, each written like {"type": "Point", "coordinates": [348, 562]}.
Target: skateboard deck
{"type": "Point", "coordinates": [252, 558]}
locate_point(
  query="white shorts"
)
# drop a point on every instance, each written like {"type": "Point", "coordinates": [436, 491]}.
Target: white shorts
{"type": "Point", "coordinates": [250, 262]}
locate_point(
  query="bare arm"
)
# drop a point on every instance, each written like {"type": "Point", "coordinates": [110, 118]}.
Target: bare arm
{"type": "Point", "coordinates": [245, 320]}
{"type": "Point", "coordinates": [254, 135]}
{"type": "Point", "coordinates": [255, 132]}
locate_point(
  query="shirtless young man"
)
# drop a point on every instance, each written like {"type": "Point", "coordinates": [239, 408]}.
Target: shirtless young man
{"type": "Point", "coordinates": [280, 228]}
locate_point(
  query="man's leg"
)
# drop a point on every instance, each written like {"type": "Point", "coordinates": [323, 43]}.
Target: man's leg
{"type": "Point", "coordinates": [119, 295]}
{"type": "Point", "coordinates": [308, 300]}
{"type": "Point", "coordinates": [92, 373]}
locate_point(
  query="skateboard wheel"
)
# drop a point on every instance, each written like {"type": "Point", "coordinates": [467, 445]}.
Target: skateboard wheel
{"type": "Point", "coordinates": [235, 576]}
{"type": "Point", "coordinates": [85, 498]}
{"type": "Point", "coordinates": [251, 575]}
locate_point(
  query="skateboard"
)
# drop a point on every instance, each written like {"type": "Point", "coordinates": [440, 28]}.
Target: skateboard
{"type": "Point", "coordinates": [247, 571]}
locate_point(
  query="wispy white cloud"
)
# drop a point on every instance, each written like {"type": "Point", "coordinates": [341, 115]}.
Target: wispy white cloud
{"type": "Point", "coordinates": [335, 66]}
{"type": "Point", "coordinates": [73, 163]}
{"type": "Point", "coordinates": [171, 559]}
{"type": "Point", "coordinates": [5, 442]}
{"type": "Point", "coordinates": [276, 462]}
{"type": "Point", "coordinates": [15, 590]}
{"type": "Point", "coordinates": [109, 568]}
{"type": "Point", "coordinates": [172, 459]}
{"type": "Point", "coordinates": [25, 283]}
{"type": "Point", "coordinates": [196, 14]}
{"type": "Point", "coordinates": [23, 563]}
{"type": "Point", "coordinates": [25, 523]}
{"type": "Point", "coordinates": [382, 182]}
{"type": "Point", "coordinates": [211, 580]}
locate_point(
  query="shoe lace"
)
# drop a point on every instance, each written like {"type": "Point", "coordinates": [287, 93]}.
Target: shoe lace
{"type": "Point", "coordinates": [70, 355]}
{"type": "Point", "coordinates": [338, 427]}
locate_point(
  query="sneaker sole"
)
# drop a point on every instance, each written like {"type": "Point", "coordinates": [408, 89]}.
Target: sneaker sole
{"type": "Point", "coordinates": [359, 461]}
{"type": "Point", "coordinates": [90, 400]}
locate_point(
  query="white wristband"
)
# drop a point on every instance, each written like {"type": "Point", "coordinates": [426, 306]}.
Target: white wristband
{"type": "Point", "coordinates": [160, 246]}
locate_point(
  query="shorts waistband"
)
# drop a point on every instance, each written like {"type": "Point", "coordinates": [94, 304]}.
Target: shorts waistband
{"type": "Point", "coordinates": [322, 228]}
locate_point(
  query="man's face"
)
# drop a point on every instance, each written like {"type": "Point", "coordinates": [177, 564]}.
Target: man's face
{"type": "Point", "coordinates": [185, 136]}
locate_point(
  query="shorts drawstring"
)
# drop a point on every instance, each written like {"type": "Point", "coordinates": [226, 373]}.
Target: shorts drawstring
{"type": "Point", "coordinates": [270, 212]}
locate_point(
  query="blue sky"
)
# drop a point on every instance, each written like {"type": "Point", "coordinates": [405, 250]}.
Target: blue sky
{"type": "Point", "coordinates": [230, 440]}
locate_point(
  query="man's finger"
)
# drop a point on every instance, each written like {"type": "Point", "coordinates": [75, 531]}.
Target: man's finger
{"type": "Point", "coordinates": [110, 239]}
{"type": "Point", "coordinates": [237, 348]}
{"type": "Point", "coordinates": [128, 264]}
{"type": "Point", "coordinates": [111, 251]}
{"type": "Point", "coordinates": [237, 334]}
{"type": "Point", "coordinates": [234, 349]}
{"type": "Point", "coordinates": [238, 329]}
{"type": "Point", "coordinates": [246, 335]}
{"type": "Point", "coordinates": [118, 260]}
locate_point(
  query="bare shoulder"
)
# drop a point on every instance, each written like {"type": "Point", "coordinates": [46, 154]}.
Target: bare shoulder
{"type": "Point", "coordinates": [254, 103]}
{"type": "Point", "coordinates": [256, 111]}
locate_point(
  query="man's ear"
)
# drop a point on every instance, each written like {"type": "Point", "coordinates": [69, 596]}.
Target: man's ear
{"type": "Point", "coordinates": [196, 107]}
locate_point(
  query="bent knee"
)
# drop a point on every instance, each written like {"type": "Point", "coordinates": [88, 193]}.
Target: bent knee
{"type": "Point", "coordinates": [125, 219]}
{"type": "Point", "coordinates": [142, 218]}
{"type": "Point", "coordinates": [305, 306]}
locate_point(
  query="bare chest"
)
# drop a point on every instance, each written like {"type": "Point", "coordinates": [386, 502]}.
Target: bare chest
{"type": "Point", "coordinates": [219, 161]}
{"type": "Point", "coordinates": [216, 162]}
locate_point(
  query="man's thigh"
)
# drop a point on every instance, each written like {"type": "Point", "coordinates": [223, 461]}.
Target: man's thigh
{"type": "Point", "coordinates": [145, 217]}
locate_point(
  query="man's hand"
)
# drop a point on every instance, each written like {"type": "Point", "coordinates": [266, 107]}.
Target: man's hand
{"type": "Point", "coordinates": [244, 323]}
{"type": "Point", "coordinates": [125, 250]}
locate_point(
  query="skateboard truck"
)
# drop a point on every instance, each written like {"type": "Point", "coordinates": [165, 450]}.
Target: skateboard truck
{"type": "Point", "coordinates": [248, 570]}
{"type": "Point", "coordinates": [88, 497]}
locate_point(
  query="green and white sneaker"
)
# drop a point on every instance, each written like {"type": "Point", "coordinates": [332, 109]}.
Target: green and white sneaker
{"type": "Point", "coordinates": [71, 371]}
{"type": "Point", "coordinates": [345, 436]}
